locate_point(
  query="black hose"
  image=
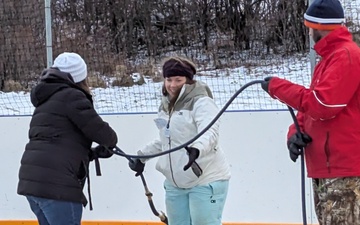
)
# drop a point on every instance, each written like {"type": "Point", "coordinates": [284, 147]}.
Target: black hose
{"type": "Point", "coordinates": [148, 194]}
{"type": "Point", "coordinates": [118, 151]}
{"type": "Point", "coordinates": [302, 162]}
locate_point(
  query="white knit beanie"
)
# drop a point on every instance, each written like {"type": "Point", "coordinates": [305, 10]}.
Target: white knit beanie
{"type": "Point", "coordinates": [70, 62]}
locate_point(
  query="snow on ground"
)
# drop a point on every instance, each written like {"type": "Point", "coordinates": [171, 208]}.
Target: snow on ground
{"type": "Point", "coordinates": [223, 82]}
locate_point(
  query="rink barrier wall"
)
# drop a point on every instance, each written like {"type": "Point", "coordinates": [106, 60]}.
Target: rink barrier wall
{"type": "Point", "coordinates": [264, 188]}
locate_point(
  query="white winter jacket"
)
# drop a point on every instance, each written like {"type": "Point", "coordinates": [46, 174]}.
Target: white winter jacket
{"type": "Point", "coordinates": [192, 112]}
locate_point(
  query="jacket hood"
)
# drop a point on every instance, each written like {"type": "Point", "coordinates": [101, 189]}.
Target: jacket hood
{"type": "Point", "coordinates": [52, 80]}
{"type": "Point", "coordinates": [188, 92]}
{"type": "Point", "coordinates": [198, 89]}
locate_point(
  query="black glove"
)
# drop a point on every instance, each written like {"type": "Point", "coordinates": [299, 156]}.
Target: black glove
{"type": "Point", "coordinates": [296, 143]}
{"type": "Point", "coordinates": [137, 166]}
{"type": "Point", "coordinates": [265, 84]}
{"type": "Point", "coordinates": [193, 155]}
{"type": "Point", "coordinates": [100, 151]}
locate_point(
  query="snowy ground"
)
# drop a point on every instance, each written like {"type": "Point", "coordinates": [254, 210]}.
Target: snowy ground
{"type": "Point", "coordinates": [224, 83]}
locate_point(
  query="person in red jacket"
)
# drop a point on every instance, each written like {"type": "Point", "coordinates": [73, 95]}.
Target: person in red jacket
{"type": "Point", "coordinates": [328, 115]}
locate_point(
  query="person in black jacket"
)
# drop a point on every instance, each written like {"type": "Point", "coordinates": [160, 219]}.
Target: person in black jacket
{"type": "Point", "coordinates": [55, 163]}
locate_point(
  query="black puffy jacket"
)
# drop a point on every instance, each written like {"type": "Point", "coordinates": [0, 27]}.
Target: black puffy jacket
{"type": "Point", "coordinates": [63, 126]}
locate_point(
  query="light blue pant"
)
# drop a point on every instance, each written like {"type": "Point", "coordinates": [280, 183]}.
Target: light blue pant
{"type": "Point", "coordinates": [198, 205]}
{"type": "Point", "coordinates": [53, 212]}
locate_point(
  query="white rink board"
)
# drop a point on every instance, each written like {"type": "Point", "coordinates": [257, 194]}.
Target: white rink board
{"type": "Point", "coordinates": [265, 183]}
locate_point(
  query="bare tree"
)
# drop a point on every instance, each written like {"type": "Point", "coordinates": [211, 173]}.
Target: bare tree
{"type": "Point", "coordinates": [113, 32]}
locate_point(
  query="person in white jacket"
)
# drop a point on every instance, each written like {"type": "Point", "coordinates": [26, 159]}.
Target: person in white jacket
{"type": "Point", "coordinates": [197, 195]}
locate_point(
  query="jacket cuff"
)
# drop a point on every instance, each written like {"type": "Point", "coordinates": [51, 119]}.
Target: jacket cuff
{"type": "Point", "coordinates": [271, 87]}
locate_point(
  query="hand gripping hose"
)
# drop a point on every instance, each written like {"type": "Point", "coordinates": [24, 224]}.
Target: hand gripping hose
{"type": "Point", "coordinates": [119, 152]}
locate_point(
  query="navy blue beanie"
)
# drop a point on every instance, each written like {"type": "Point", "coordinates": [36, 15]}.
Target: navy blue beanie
{"type": "Point", "coordinates": [324, 15]}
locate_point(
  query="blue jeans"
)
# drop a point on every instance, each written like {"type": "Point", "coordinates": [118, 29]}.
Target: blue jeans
{"type": "Point", "coordinates": [55, 212]}
{"type": "Point", "coordinates": [198, 205]}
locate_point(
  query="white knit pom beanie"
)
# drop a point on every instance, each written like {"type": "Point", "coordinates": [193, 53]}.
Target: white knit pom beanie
{"type": "Point", "coordinates": [70, 62]}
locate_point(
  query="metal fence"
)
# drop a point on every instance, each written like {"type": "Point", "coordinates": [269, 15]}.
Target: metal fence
{"type": "Point", "coordinates": [124, 41]}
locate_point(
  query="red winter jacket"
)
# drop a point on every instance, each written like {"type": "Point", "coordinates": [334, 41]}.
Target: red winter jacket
{"type": "Point", "coordinates": [329, 111]}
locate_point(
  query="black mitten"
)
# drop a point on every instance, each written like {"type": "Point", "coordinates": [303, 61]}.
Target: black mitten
{"type": "Point", "coordinates": [137, 166]}
{"type": "Point", "coordinates": [265, 84]}
{"type": "Point", "coordinates": [193, 155]}
{"type": "Point", "coordinates": [100, 151]}
{"type": "Point", "coordinates": [296, 143]}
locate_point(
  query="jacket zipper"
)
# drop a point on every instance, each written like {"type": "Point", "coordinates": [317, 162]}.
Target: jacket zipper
{"type": "Point", "coordinates": [327, 152]}
{"type": "Point", "coordinates": [169, 143]}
